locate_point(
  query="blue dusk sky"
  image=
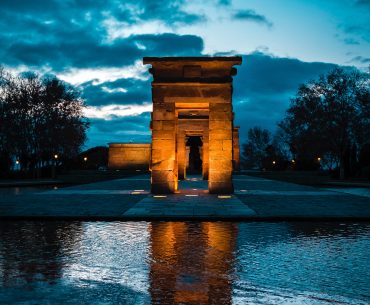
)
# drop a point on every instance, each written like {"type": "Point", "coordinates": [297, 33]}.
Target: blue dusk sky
{"type": "Point", "coordinates": [98, 45]}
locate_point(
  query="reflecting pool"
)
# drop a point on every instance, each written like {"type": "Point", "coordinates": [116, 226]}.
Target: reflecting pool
{"type": "Point", "coordinates": [184, 263]}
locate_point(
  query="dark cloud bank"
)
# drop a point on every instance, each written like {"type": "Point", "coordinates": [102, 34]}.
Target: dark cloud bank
{"type": "Point", "coordinates": [262, 90]}
{"type": "Point", "coordinates": [62, 35]}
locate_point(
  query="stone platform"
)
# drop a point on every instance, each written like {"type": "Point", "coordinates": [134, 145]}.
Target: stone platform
{"type": "Point", "coordinates": [129, 199]}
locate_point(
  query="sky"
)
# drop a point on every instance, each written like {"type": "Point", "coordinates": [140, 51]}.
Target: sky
{"type": "Point", "coordinates": [98, 46]}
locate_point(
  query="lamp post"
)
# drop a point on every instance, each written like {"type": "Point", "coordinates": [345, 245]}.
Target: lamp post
{"type": "Point", "coordinates": [85, 162]}
{"type": "Point", "coordinates": [53, 169]}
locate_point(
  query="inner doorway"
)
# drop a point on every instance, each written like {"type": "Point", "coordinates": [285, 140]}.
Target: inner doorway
{"type": "Point", "coordinates": [194, 155]}
{"type": "Point", "coordinates": [193, 183]}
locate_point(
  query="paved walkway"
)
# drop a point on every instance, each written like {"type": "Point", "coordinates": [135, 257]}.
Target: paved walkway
{"type": "Point", "coordinates": [129, 198]}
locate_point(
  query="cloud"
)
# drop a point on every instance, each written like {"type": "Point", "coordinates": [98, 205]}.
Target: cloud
{"type": "Point", "coordinates": [120, 129]}
{"type": "Point", "coordinates": [251, 15]}
{"type": "Point", "coordinates": [99, 44]}
{"type": "Point", "coordinates": [98, 76]}
{"type": "Point", "coordinates": [363, 2]}
{"type": "Point", "coordinates": [62, 35]}
{"type": "Point", "coordinates": [264, 85]}
{"type": "Point", "coordinates": [262, 91]}
{"type": "Point", "coordinates": [356, 31]}
{"type": "Point", "coordinates": [224, 2]}
{"type": "Point", "coordinates": [361, 59]}
{"type": "Point", "coordinates": [116, 111]}
{"type": "Point", "coordinates": [88, 53]}
{"type": "Point", "coordinates": [351, 41]}
{"type": "Point", "coordinates": [131, 11]}
{"type": "Point", "coordinates": [124, 91]}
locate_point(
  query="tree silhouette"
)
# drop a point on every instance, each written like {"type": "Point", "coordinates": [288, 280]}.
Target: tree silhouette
{"type": "Point", "coordinates": [328, 117]}
{"type": "Point", "coordinates": [254, 151]}
{"type": "Point", "coordinates": [40, 118]}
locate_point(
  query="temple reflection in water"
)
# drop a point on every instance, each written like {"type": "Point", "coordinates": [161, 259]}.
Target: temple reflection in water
{"type": "Point", "coordinates": [192, 268]}
{"type": "Point", "coordinates": [183, 263]}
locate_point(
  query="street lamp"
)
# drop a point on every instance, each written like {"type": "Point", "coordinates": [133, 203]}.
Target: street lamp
{"type": "Point", "coordinates": [53, 171]}
{"type": "Point", "coordinates": [274, 162]}
{"type": "Point", "coordinates": [17, 162]}
{"type": "Point", "coordinates": [85, 159]}
{"type": "Point", "coordinates": [319, 159]}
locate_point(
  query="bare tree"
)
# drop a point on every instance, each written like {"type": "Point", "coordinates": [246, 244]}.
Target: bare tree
{"type": "Point", "coordinates": [329, 115]}
{"type": "Point", "coordinates": [254, 151]}
{"type": "Point", "coordinates": [40, 118]}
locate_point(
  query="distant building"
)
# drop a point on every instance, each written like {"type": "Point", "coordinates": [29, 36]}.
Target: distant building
{"type": "Point", "coordinates": [129, 156]}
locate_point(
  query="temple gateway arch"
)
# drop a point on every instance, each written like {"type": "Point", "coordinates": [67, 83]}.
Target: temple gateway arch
{"type": "Point", "coordinates": [192, 122]}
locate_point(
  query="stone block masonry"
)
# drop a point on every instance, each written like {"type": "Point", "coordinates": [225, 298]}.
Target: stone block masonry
{"type": "Point", "coordinates": [130, 156]}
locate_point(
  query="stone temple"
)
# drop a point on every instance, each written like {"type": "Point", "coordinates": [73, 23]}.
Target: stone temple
{"type": "Point", "coordinates": [192, 125]}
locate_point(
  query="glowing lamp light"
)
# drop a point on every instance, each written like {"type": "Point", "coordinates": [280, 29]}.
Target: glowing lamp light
{"type": "Point", "coordinates": [191, 195]}
{"type": "Point", "coordinates": [159, 196]}
{"type": "Point", "coordinates": [224, 196]}
{"type": "Point", "coordinates": [56, 156]}
{"type": "Point", "coordinates": [273, 162]}
{"type": "Point", "coordinates": [17, 162]}
{"type": "Point", "coordinates": [85, 159]}
{"type": "Point", "coordinates": [135, 193]}
{"type": "Point", "coordinates": [319, 159]}
{"type": "Point", "coordinates": [293, 161]}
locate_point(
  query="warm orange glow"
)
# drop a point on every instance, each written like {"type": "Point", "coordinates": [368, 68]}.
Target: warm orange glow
{"type": "Point", "coordinates": [85, 159]}
{"type": "Point", "coordinates": [56, 156]}
{"type": "Point", "coordinates": [319, 159]}
{"type": "Point", "coordinates": [293, 161]}
{"type": "Point", "coordinates": [224, 196]}
{"type": "Point", "coordinates": [179, 256]}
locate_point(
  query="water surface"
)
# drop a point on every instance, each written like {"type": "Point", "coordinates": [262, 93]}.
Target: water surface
{"type": "Point", "coordinates": [184, 263]}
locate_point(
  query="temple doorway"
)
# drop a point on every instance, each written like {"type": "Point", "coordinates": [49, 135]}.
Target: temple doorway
{"type": "Point", "coordinates": [194, 155]}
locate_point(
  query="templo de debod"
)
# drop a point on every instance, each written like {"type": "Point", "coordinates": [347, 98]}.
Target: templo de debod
{"type": "Point", "coordinates": [192, 125]}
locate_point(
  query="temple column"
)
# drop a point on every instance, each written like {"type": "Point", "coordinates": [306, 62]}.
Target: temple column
{"type": "Point", "coordinates": [205, 159]}
{"type": "Point", "coordinates": [164, 163]}
{"type": "Point", "coordinates": [220, 148]}
{"type": "Point", "coordinates": [236, 149]}
{"type": "Point", "coordinates": [181, 154]}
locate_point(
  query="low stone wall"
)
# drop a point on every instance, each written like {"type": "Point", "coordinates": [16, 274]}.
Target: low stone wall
{"type": "Point", "coordinates": [129, 156]}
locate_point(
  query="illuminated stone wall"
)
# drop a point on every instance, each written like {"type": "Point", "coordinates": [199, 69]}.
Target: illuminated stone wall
{"type": "Point", "coordinates": [187, 90]}
{"type": "Point", "coordinates": [129, 156]}
{"type": "Point", "coordinates": [236, 149]}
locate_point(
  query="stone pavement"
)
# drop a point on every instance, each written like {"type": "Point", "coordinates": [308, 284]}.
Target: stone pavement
{"type": "Point", "coordinates": [129, 199]}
